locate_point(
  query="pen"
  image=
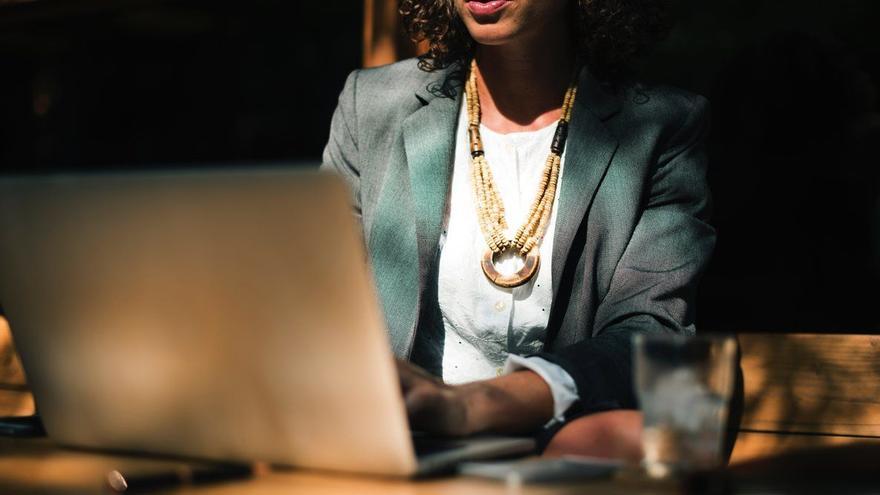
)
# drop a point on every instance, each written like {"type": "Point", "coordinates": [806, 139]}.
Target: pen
{"type": "Point", "coordinates": [120, 482]}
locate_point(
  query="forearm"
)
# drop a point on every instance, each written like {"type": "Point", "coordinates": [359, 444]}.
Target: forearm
{"type": "Point", "coordinates": [519, 402]}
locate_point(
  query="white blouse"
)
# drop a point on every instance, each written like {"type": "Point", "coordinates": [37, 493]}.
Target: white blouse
{"type": "Point", "coordinates": [488, 328]}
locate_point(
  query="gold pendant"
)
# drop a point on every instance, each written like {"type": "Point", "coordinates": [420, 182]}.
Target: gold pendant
{"type": "Point", "coordinates": [529, 269]}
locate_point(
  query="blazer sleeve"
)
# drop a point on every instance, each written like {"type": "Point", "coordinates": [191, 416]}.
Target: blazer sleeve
{"type": "Point", "coordinates": [653, 287]}
{"type": "Point", "coordinates": [341, 154]}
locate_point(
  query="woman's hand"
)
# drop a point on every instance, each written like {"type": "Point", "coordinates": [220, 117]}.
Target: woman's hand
{"type": "Point", "coordinates": [433, 406]}
{"type": "Point", "coordinates": [516, 403]}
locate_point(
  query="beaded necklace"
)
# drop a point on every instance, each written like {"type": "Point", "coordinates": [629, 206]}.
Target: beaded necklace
{"type": "Point", "coordinates": [490, 209]}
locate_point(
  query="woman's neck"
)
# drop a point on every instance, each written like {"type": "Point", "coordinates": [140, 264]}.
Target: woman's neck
{"type": "Point", "coordinates": [521, 87]}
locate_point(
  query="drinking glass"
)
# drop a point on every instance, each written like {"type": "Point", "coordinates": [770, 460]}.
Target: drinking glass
{"type": "Point", "coordinates": [684, 385]}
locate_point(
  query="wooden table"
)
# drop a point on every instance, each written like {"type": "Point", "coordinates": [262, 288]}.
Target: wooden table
{"type": "Point", "coordinates": [30, 466]}
{"type": "Point", "coordinates": [39, 467]}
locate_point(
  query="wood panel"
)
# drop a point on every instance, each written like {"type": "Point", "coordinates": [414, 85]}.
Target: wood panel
{"type": "Point", "coordinates": [11, 372]}
{"type": "Point", "coordinates": [808, 390]}
{"type": "Point", "coordinates": [823, 383]}
{"type": "Point", "coordinates": [384, 39]}
{"type": "Point", "coordinates": [15, 399]}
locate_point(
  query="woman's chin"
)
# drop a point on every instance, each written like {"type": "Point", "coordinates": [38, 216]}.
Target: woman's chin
{"type": "Point", "coordinates": [494, 35]}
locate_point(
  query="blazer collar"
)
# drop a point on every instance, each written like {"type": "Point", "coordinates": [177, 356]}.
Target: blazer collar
{"type": "Point", "coordinates": [596, 97]}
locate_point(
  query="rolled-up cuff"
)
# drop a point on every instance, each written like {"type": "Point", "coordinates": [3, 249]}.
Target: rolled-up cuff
{"type": "Point", "coordinates": [562, 385]}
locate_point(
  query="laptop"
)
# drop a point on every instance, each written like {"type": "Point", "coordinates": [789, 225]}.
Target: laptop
{"type": "Point", "coordinates": [226, 315]}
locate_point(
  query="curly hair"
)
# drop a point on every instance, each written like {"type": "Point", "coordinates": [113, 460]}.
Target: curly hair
{"type": "Point", "coordinates": [608, 33]}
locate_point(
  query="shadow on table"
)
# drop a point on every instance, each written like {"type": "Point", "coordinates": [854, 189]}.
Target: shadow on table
{"type": "Point", "coordinates": [813, 389]}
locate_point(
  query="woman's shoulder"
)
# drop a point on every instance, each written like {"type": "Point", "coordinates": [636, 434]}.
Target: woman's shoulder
{"type": "Point", "coordinates": [380, 98]}
{"type": "Point", "coordinates": [394, 83]}
{"type": "Point", "coordinates": [661, 105]}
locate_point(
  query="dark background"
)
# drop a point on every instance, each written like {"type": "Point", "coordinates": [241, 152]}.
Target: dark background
{"type": "Point", "coordinates": [794, 149]}
{"type": "Point", "coordinates": [107, 82]}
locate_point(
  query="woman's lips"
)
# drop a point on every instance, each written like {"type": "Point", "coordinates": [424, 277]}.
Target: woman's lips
{"type": "Point", "coordinates": [485, 8]}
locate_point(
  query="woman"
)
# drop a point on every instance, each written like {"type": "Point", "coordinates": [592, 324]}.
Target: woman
{"type": "Point", "coordinates": [512, 262]}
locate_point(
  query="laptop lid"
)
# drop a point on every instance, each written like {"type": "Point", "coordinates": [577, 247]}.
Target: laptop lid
{"type": "Point", "coordinates": [224, 315]}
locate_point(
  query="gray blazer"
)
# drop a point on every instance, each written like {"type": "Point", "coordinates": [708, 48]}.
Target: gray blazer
{"type": "Point", "coordinates": [631, 238]}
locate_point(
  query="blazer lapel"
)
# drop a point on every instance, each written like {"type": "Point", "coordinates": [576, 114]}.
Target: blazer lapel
{"type": "Point", "coordinates": [429, 140]}
{"type": "Point", "coordinates": [590, 148]}
{"type": "Point", "coordinates": [406, 231]}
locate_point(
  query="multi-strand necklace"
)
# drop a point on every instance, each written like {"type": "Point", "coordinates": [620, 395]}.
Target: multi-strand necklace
{"type": "Point", "coordinates": [490, 208]}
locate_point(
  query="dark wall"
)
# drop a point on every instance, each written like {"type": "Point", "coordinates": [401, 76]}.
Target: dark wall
{"type": "Point", "coordinates": [793, 86]}
{"type": "Point", "coordinates": [795, 151]}
{"type": "Point", "coordinates": [97, 84]}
